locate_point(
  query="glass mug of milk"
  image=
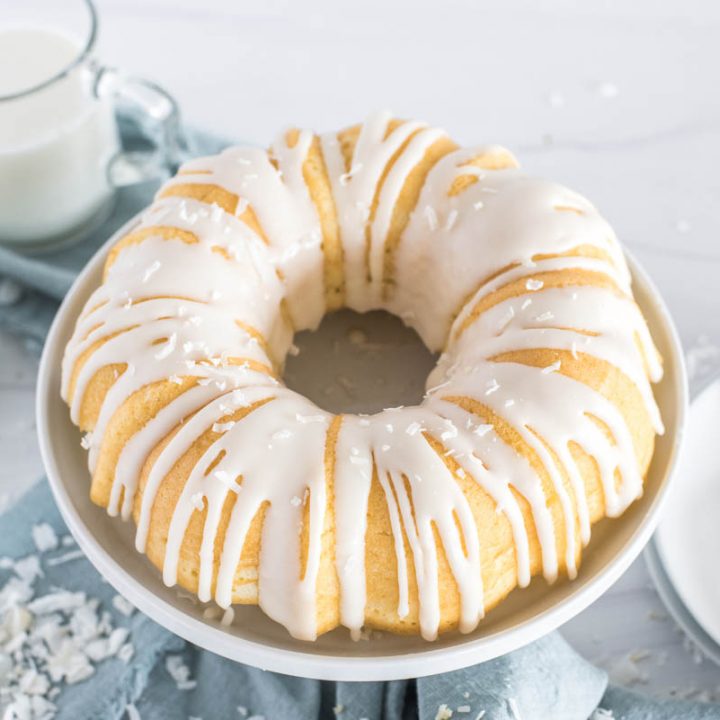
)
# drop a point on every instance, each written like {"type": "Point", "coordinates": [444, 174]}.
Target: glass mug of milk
{"type": "Point", "coordinates": [60, 155]}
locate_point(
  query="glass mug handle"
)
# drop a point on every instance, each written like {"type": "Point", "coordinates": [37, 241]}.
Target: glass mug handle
{"type": "Point", "coordinates": [156, 117]}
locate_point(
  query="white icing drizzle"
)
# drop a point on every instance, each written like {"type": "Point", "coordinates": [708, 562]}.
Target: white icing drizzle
{"type": "Point", "coordinates": [196, 301]}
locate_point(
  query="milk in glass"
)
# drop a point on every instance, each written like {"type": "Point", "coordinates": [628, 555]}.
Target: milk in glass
{"type": "Point", "coordinates": [55, 142]}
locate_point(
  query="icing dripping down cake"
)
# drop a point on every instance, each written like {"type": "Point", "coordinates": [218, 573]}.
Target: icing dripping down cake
{"type": "Point", "coordinates": [539, 418]}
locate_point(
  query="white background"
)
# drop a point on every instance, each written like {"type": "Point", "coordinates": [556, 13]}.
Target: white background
{"type": "Point", "coordinates": [619, 100]}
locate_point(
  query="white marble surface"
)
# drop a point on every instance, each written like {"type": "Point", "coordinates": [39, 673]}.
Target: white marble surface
{"type": "Point", "coordinates": [618, 100]}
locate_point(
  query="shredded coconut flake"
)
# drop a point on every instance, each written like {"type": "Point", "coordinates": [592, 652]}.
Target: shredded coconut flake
{"type": "Point", "coordinates": [305, 419]}
{"type": "Point", "coordinates": [123, 606]}
{"type": "Point", "coordinates": [551, 368]}
{"type": "Point", "coordinates": [225, 478]}
{"type": "Point", "coordinates": [413, 428]}
{"type": "Point", "coordinates": [492, 386]}
{"type": "Point", "coordinates": [179, 672]}
{"type": "Point", "coordinates": [49, 639]}
{"type": "Point", "coordinates": [44, 537]}
{"type": "Point", "coordinates": [431, 217]}
{"type": "Point", "coordinates": [443, 712]}
{"type": "Point", "coordinates": [513, 708]}
{"type": "Point", "coordinates": [197, 500]}
{"type": "Point", "coordinates": [132, 712]}
{"type": "Point", "coordinates": [65, 558]}
{"type": "Point", "coordinates": [216, 214]}
{"type": "Point", "coordinates": [626, 671]}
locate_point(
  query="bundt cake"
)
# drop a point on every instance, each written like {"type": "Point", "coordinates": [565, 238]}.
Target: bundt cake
{"type": "Point", "coordinates": [538, 420]}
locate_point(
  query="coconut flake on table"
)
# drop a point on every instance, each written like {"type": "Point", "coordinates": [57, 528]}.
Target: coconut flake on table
{"type": "Point", "coordinates": [179, 672]}
{"type": "Point", "coordinates": [65, 558]}
{"type": "Point", "coordinates": [44, 537]}
{"type": "Point", "coordinates": [132, 712]}
{"type": "Point", "coordinates": [626, 671]}
{"type": "Point", "coordinates": [123, 605]}
{"type": "Point", "coordinates": [48, 640]}
{"type": "Point", "coordinates": [28, 568]}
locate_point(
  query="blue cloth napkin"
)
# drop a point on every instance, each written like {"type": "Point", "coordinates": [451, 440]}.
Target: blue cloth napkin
{"type": "Point", "coordinates": [151, 674]}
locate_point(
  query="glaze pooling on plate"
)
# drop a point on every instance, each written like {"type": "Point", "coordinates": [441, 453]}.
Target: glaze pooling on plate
{"type": "Point", "coordinates": [518, 281]}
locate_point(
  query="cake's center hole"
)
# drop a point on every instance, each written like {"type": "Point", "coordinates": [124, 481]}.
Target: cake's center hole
{"type": "Point", "coordinates": [357, 363]}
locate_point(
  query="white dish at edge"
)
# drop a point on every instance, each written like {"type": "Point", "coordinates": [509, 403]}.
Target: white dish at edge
{"type": "Point", "coordinates": [688, 537]}
{"type": "Point", "coordinates": [255, 639]}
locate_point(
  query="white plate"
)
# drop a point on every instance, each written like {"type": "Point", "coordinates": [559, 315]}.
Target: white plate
{"type": "Point", "coordinates": [675, 606]}
{"type": "Point", "coordinates": [685, 548]}
{"type": "Point", "coordinates": [253, 638]}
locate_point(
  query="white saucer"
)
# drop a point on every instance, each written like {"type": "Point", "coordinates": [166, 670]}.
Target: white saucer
{"type": "Point", "coordinates": [253, 638]}
{"type": "Point", "coordinates": [684, 557]}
